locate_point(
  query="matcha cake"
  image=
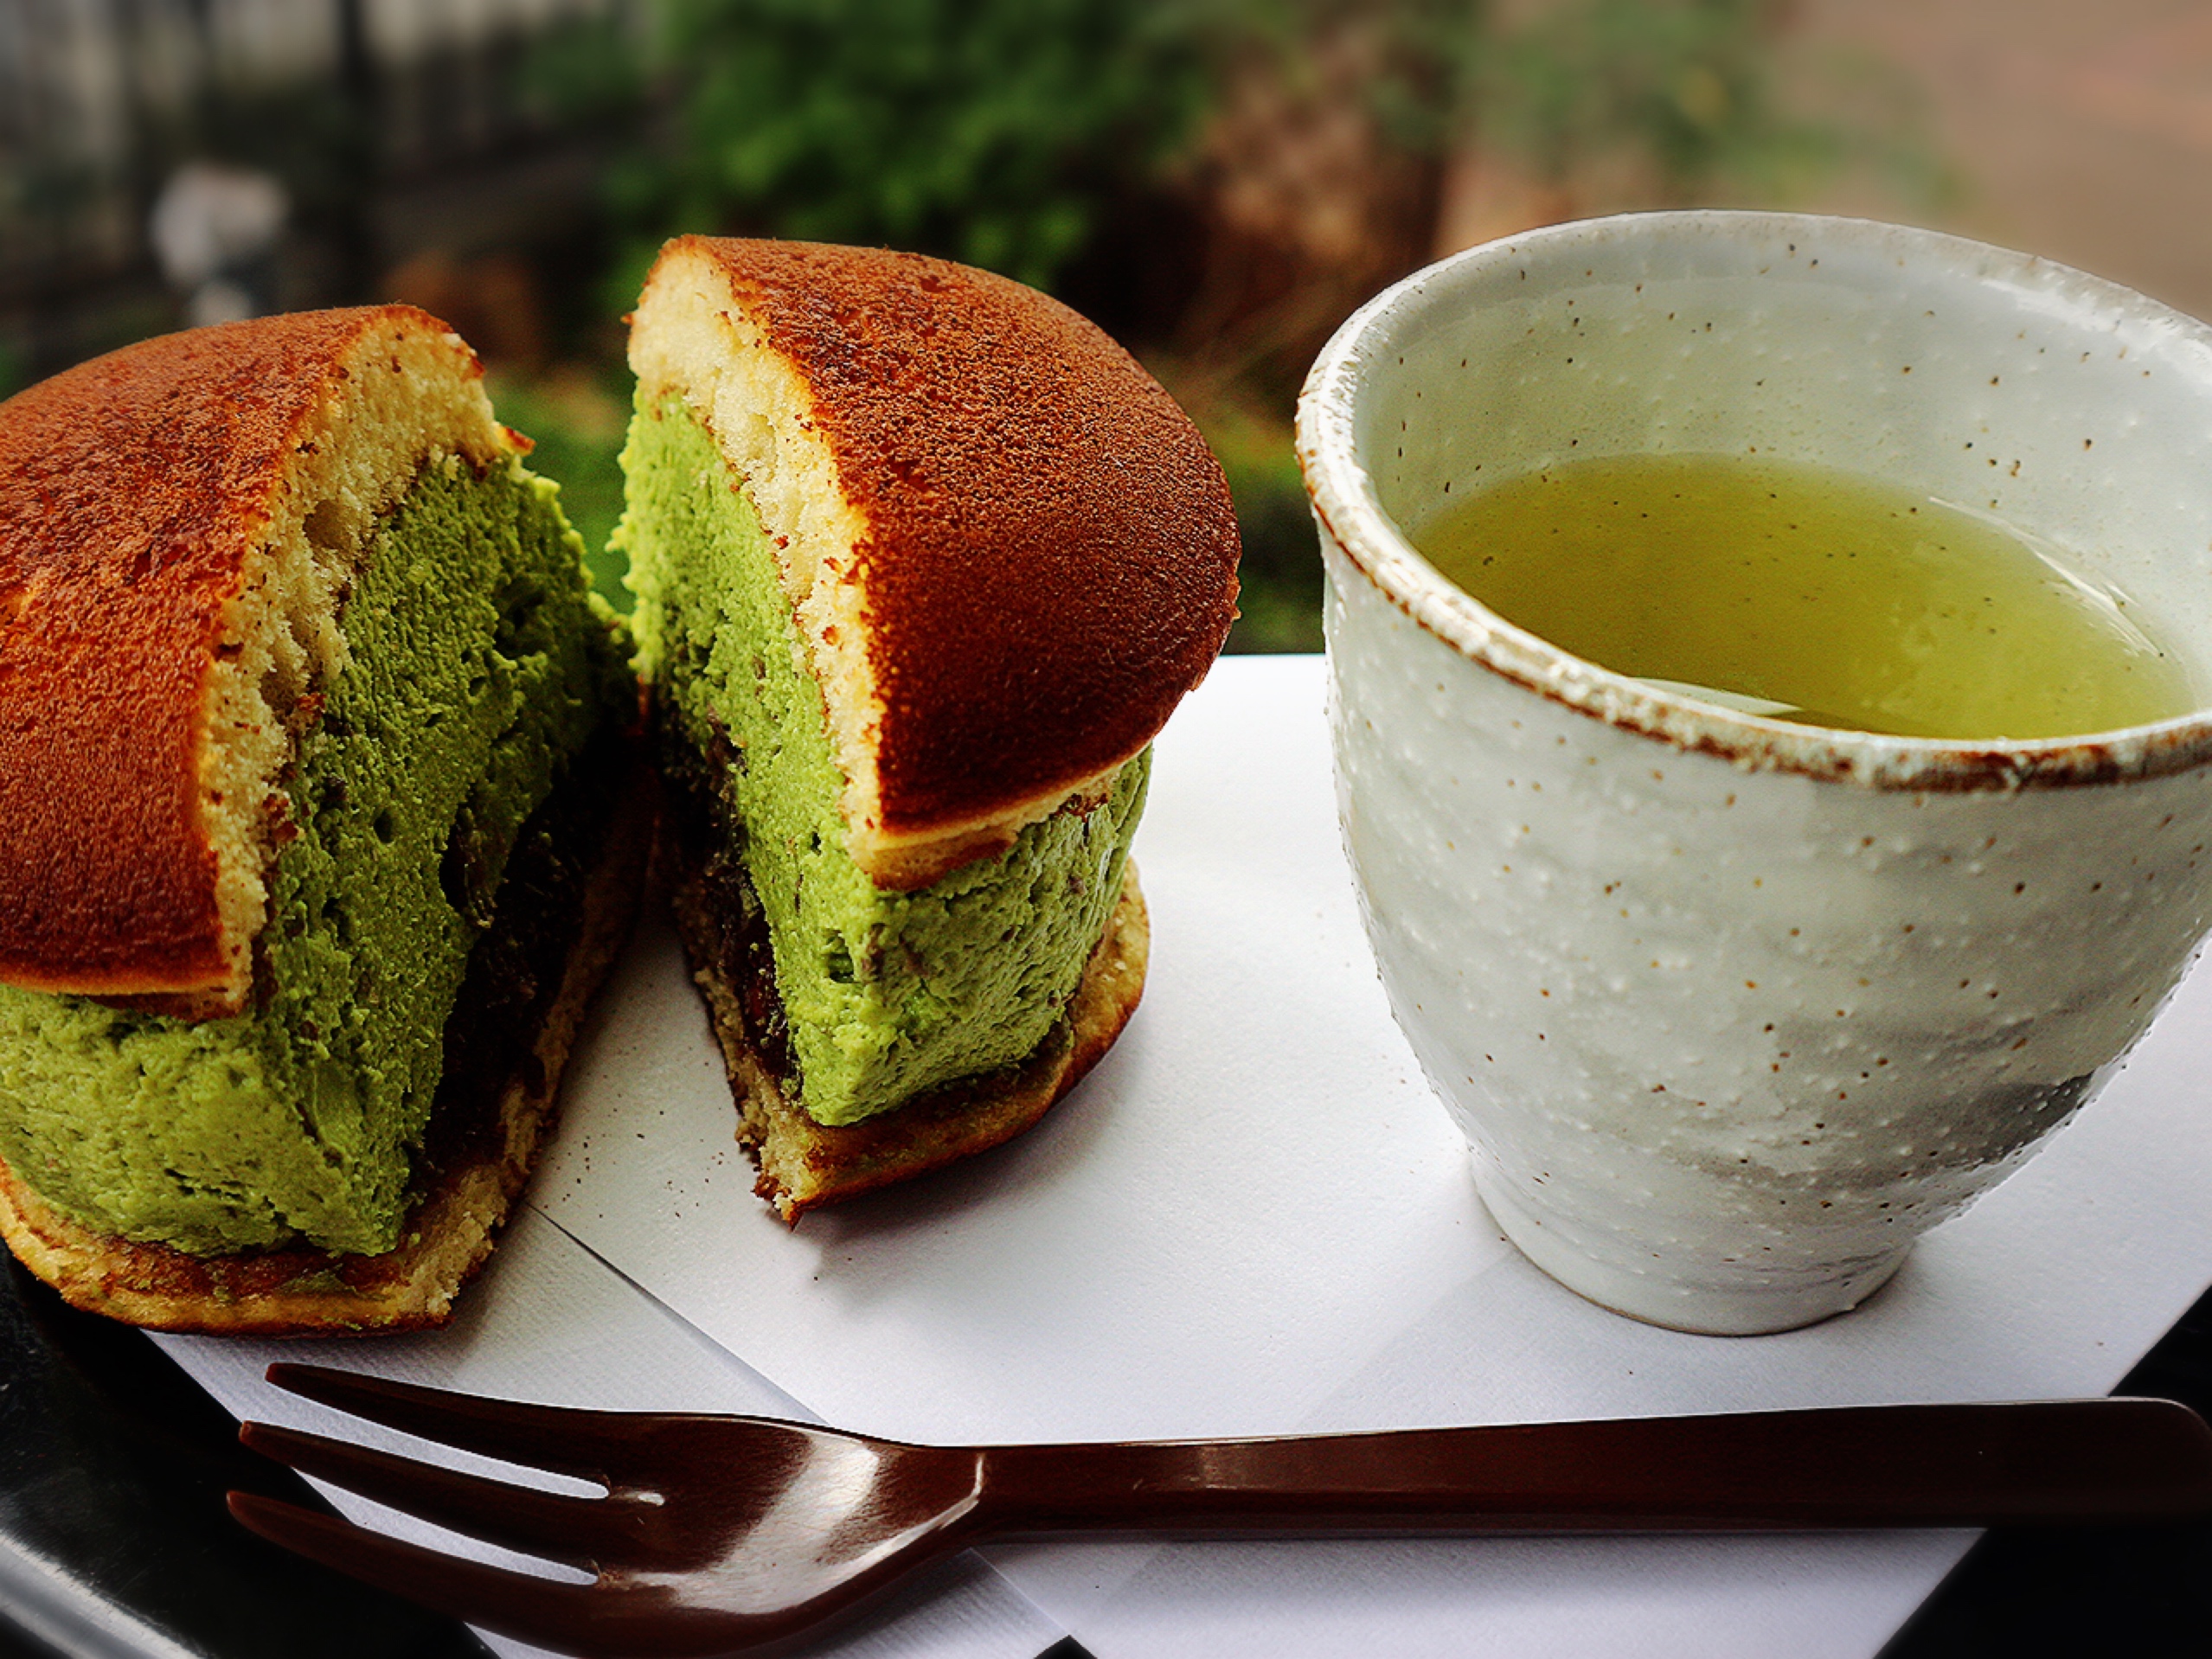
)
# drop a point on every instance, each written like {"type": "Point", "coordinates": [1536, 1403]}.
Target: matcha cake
{"type": "Point", "coordinates": [923, 561]}
{"type": "Point", "coordinates": [317, 829]}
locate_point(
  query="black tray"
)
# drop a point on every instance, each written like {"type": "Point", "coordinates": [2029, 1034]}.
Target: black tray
{"type": "Point", "coordinates": [113, 1537]}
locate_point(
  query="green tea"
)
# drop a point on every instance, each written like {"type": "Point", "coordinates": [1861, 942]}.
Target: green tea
{"type": "Point", "coordinates": [1809, 595]}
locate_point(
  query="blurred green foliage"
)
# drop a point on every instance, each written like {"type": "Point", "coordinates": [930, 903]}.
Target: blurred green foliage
{"type": "Point", "coordinates": [1002, 132]}
{"type": "Point", "coordinates": [1696, 91]}
{"type": "Point", "coordinates": [1279, 608]}
{"type": "Point", "coordinates": [991, 132]}
{"type": "Point", "coordinates": [576, 420]}
{"type": "Point", "coordinates": [1685, 83]}
{"type": "Point", "coordinates": [1420, 56]}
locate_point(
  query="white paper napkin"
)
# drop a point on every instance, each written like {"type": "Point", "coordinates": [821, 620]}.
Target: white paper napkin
{"type": "Point", "coordinates": [1253, 1218]}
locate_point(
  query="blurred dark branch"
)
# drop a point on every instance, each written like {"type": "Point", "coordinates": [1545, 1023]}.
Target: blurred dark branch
{"type": "Point", "coordinates": [354, 158]}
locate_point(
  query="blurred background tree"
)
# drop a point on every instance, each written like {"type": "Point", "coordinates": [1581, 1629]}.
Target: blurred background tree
{"type": "Point", "coordinates": [1218, 182]}
{"type": "Point", "coordinates": [997, 132]}
{"type": "Point", "coordinates": [1684, 90]}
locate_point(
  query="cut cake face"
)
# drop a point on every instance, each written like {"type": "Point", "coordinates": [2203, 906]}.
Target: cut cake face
{"type": "Point", "coordinates": [923, 560]}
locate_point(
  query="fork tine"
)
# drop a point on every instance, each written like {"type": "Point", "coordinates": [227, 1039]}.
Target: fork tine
{"type": "Point", "coordinates": [565, 1439]}
{"type": "Point", "coordinates": [582, 1532]}
{"type": "Point", "coordinates": [567, 1618]}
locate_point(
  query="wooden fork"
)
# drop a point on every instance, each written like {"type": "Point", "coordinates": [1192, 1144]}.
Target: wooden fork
{"type": "Point", "coordinates": [732, 1535]}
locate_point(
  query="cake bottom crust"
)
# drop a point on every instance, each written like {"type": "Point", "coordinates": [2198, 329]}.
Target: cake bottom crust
{"type": "Point", "coordinates": [449, 1231]}
{"type": "Point", "coordinates": [804, 1163]}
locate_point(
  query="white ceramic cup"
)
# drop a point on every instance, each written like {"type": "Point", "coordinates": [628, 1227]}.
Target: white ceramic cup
{"type": "Point", "coordinates": [1732, 1010]}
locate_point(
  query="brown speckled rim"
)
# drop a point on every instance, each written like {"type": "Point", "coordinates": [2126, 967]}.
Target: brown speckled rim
{"type": "Point", "coordinates": [1352, 517]}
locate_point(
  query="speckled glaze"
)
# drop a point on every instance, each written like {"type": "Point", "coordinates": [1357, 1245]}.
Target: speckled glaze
{"type": "Point", "coordinates": [1732, 1010]}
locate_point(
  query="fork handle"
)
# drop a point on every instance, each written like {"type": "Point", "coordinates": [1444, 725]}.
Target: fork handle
{"type": "Point", "coordinates": [2094, 1460]}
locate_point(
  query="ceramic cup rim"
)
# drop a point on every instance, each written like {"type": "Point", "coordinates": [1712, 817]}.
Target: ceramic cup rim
{"type": "Point", "coordinates": [1351, 516]}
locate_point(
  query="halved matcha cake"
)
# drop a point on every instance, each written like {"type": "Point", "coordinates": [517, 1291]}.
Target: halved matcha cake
{"type": "Point", "coordinates": [314, 832]}
{"type": "Point", "coordinates": [923, 561]}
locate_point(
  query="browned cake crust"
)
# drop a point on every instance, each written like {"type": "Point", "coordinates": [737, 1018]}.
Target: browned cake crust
{"type": "Point", "coordinates": [1050, 553]}
{"type": "Point", "coordinates": [133, 488]}
{"type": "Point", "coordinates": [476, 1173]}
{"type": "Point", "coordinates": [804, 1163]}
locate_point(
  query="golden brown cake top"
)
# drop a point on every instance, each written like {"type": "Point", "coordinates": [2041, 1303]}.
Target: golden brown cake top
{"type": "Point", "coordinates": [157, 521]}
{"type": "Point", "coordinates": [1042, 554]}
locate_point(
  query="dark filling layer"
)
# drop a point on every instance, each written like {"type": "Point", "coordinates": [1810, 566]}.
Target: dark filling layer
{"type": "Point", "coordinates": [515, 970]}
{"type": "Point", "coordinates": [708, 849]}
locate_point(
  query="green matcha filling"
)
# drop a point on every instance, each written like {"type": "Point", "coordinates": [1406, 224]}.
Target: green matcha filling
{"type": "Point", "coordinates": [884, 994]}
{"type": "Point", "coordinates": [477, 671]}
